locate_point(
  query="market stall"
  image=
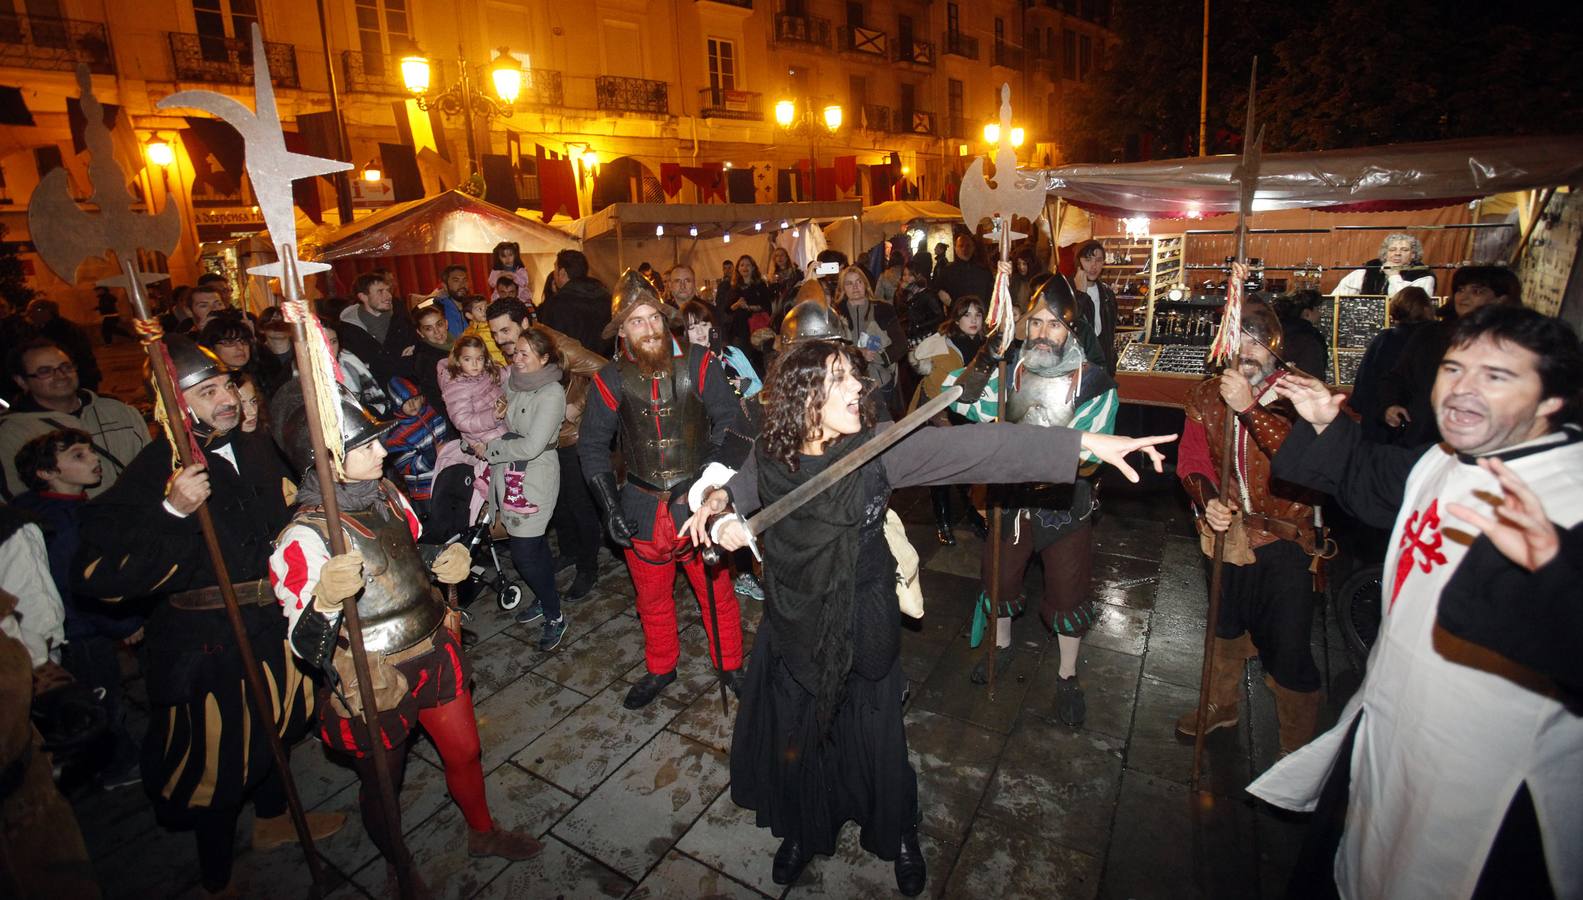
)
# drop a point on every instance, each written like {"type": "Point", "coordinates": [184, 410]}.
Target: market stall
{"type": "Point", "coordinates": [928, 222]}
{"type": "Point", "coordinates": [702, 235]}
{"type": "Point", "coordinates": [1316, 217]}
{"type": "Point", "coordinates": [416, 240]}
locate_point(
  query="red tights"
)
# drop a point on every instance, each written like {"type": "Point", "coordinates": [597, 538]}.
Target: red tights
{"type": "Point", "coordinates": [455, 733]}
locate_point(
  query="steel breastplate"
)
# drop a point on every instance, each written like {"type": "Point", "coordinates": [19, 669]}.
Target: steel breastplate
{"type": "Point", "coordinates": [664, 425]}
{"type": "Point", "coordinates": [1044, 400]}
{"type": "Point", "coordinates": [399, 606]}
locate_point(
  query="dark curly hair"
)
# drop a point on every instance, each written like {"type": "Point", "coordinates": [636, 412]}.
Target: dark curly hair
{"type": "Point", "coordinates": [795, 392]}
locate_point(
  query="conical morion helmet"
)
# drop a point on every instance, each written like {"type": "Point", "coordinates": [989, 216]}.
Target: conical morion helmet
{"type": "Point", "coordinates": [358, 427]}
{"type": "Point", "coordinates": [812, 318]}
{"type": "Point", "coordinates": [632, 291]}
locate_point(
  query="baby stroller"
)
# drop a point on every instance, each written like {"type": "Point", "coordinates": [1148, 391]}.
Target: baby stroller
{"type": "Point", "coordinates": [459, 515]}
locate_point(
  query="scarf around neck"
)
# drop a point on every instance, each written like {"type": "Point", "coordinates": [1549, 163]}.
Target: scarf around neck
{"type": "Point", "coordinates": [532, 381]}
{"type": "Point", "coordinates": [811, 570]}
{"type": "Point", "coordinates": [353, 496]}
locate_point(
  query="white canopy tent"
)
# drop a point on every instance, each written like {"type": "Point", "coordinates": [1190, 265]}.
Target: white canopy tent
{"type": "Point", "coordinates": [623, 235]}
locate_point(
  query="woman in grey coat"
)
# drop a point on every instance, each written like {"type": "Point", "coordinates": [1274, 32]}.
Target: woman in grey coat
{"type": "Point", "coordinates": [535, 406]}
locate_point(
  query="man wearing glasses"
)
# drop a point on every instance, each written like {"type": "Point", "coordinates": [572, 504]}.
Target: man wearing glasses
{"type": "Point", "coordinates": [52, 400]}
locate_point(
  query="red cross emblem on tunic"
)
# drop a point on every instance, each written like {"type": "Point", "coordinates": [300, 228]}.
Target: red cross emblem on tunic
{"type": "Point", "coordinates": [1419, 548]}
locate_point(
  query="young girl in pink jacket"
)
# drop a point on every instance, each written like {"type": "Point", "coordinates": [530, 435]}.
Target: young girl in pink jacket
{"type": "Point", "coordinates": [475, 400]}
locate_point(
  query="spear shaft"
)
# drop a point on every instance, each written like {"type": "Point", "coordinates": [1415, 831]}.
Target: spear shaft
{"type": "Point", "coordinates": [291, 285]}
{"type": "Point", "coordinates": [176, 422]}
{"type": "Point", "coordinates": [1247, 175]}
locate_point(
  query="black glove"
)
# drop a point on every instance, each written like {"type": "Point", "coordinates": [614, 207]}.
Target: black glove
{"type": "Point", "coordinates": [609, 499]}
{"type": "Point", "coordinates": [976, 376]}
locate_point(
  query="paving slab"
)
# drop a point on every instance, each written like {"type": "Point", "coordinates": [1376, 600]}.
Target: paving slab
{"type": "Point", "coordinates": [560, 871]}
{"type": "Point", "coordinates": [513, 716]}
{"type": "Point", "coordinates": [1183, 589]}
{"type": "Point", "coordinates": [1120, 628]}
{"type": "Point", "coordinates": [517, 801]}
{"type": "Point", "coordinates": [965, 558]}
{"type": "Point", "coordinates": [854, 872]}
{"type": "Point", "coordinates": [634, 818]}
{"type": "Point", "coordinates": [726, 838]}
{"type": "Point", "coordinates": [1129, 536]}
{"type": "Point", "coordinates": [1156, 750]}
{"type": "Point", "coordinates": [594, 659]}
{"type": "Point", "coordinates": [422, 794]}
{"type": "Point", "coordinates": [1176, 650]}
{"type": "Point", "coordinates": [1125, 580]}
{"type": "Point", "coordinates": [1110, 687]}
{"type": "Point", "coordinates": [954, 760]}
{"type": "Point", "coordinates": [1170, 844]}
{"type": "Point", "coordinates": [949, 691]}
{"type": "Point", "coordinates": [502, 658]}
{"type": "Point", "coordinates": [1007, 861]}
{"type": "Point", "coordinates": [584, 748]}
{"type": "Point", "coordinates": [680, 877]}
{"type": "Point", "coordinates": [704, 722]}
{"type": "Point", "coordinates": [1057, 783]}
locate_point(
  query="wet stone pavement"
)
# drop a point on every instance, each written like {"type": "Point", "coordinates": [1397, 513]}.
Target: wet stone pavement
{"type": "Point", "coordinates": [636, 804]}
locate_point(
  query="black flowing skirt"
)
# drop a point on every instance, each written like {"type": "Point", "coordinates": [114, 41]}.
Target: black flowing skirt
{"type": "Point", "coordinates": [806, 786]}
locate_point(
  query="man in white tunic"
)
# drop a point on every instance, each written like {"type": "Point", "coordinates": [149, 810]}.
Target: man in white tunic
{"type": "Point", "coordinates": [1457, 769]}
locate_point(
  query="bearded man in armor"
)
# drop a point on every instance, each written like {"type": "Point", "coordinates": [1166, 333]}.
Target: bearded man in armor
{"type": "Point", "coordinates": [1267, 594]}
{"type": "Point", "coordinates": [411, 636]}
{"type": "Point", "coordinates": [1053, 384]}
{"type": "Point", "coordinates": [206, 753]}
{"type": "Point", "coordinates": [671, 406]}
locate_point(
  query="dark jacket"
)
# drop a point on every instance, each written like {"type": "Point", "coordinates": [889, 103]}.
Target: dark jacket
{"type": "Point", "coordinates": [59, 516]}
{"type": "Point", "coordinates": [581, 310]}
{"type": "Point", "coordinates": [1368, 384]}
{"type": "Point", "coordinates": [1409, 382]}
{"type": "Point", "coordinates": [386, 359]}
{"type": "Point", "coordinates": [965, 279]}
{"type": "Point", "coordinates": [131, 545]}
{"type": "Point", "coordinates": [1106, 335]}
{"type": "Point", "coordinates": [1304, 347]}
{"type": "Point", "coordinates": [74, 341]}
{"type": "Point", "coordinates": [426, 359]}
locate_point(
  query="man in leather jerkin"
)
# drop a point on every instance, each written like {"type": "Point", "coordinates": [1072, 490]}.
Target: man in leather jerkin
{"type": "Point", "coordinates": [671, 407]}
{"type": "Point", "coordinates": [1267, 594]}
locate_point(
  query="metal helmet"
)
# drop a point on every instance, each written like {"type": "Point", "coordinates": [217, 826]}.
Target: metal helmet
{"type": "Point", "coordinates": [193, 362]}
{"type": "Point", "coordinates": [1260, 321]}
{"type": "Point", "coordinates": [358, 427]}
{"type": "Point", "coordinates": [1054, 293]}
{"type": "Point", "coordinates": [812, 318]}
{"type": "Point", "coordinates": [632, 291]}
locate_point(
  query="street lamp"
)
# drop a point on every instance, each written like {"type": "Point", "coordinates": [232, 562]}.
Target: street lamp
{"type": "Point", "coordinates": [992, 134]}
{"type": "Point", "coordinates": [463, 97]}
{"type": "Point", "coordinates": [806, 125]}
{"type": "Point", "coordinates": [159, 152]}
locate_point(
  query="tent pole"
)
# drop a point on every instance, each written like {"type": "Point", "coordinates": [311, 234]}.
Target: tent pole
{"type": "Point", "coordinates": [621, 250]}
{"type": "Point", "coordinates": [857, 236]}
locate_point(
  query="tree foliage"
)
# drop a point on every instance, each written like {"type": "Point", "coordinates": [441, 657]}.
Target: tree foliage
{"type": "Point", "coordinates": [1332, 74]}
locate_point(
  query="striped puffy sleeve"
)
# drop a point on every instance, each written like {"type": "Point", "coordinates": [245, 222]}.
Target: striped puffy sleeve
{"type": "Point", "coordinates": [294, 570]}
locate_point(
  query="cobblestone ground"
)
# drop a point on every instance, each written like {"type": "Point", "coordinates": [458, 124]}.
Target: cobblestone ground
{"type": "Point", "coordinates": [635, 804]}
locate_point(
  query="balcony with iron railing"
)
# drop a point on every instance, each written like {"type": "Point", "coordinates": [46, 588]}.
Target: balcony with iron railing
{"type": "Point", "coordinates": [615, 93]}
{"type": "Point", "coordinates": [876, 118]}
{"type": "Point", "coordinates": [956, 43]}
{"type": "Point", "coordinates": [366, 73]}
{"type": "Point", "coordinates": [865, 42]}
{"type": "Point", "coordinates": [54, 44]}
{"type": "Point", "coordinates": [720, 103]}
{"type": "Point", "coordinates": [223, 60]}
{"type": "Point", "coordinates": [810, 30]}
{"type": "Point", "coordinates": [1007, 56]}
{"type": "Point", "coordinates": [915, 53]}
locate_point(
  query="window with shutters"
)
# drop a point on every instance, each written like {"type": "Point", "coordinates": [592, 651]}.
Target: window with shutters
{"type": "Point", "coordinates": [384, 30]}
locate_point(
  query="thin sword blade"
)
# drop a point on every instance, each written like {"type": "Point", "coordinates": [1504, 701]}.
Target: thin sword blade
{"type": "Point", "coordinates": [876, 445]}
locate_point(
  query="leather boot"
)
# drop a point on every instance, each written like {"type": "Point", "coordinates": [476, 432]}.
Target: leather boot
{"type": "Point", "coordinates": [789, 862]}
{"type": "Point", "coordinates": [941, 497]}
{"type": "Point", "coordinates": [1225, 687]}
{"type": "Point", "coordinates": [1297, 713]}
{"type": "Point", "coordinates": [975, 521]}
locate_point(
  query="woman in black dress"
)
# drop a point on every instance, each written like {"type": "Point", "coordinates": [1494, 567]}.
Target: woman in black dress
{"type": "Point", "coordinates": [819, 738]}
